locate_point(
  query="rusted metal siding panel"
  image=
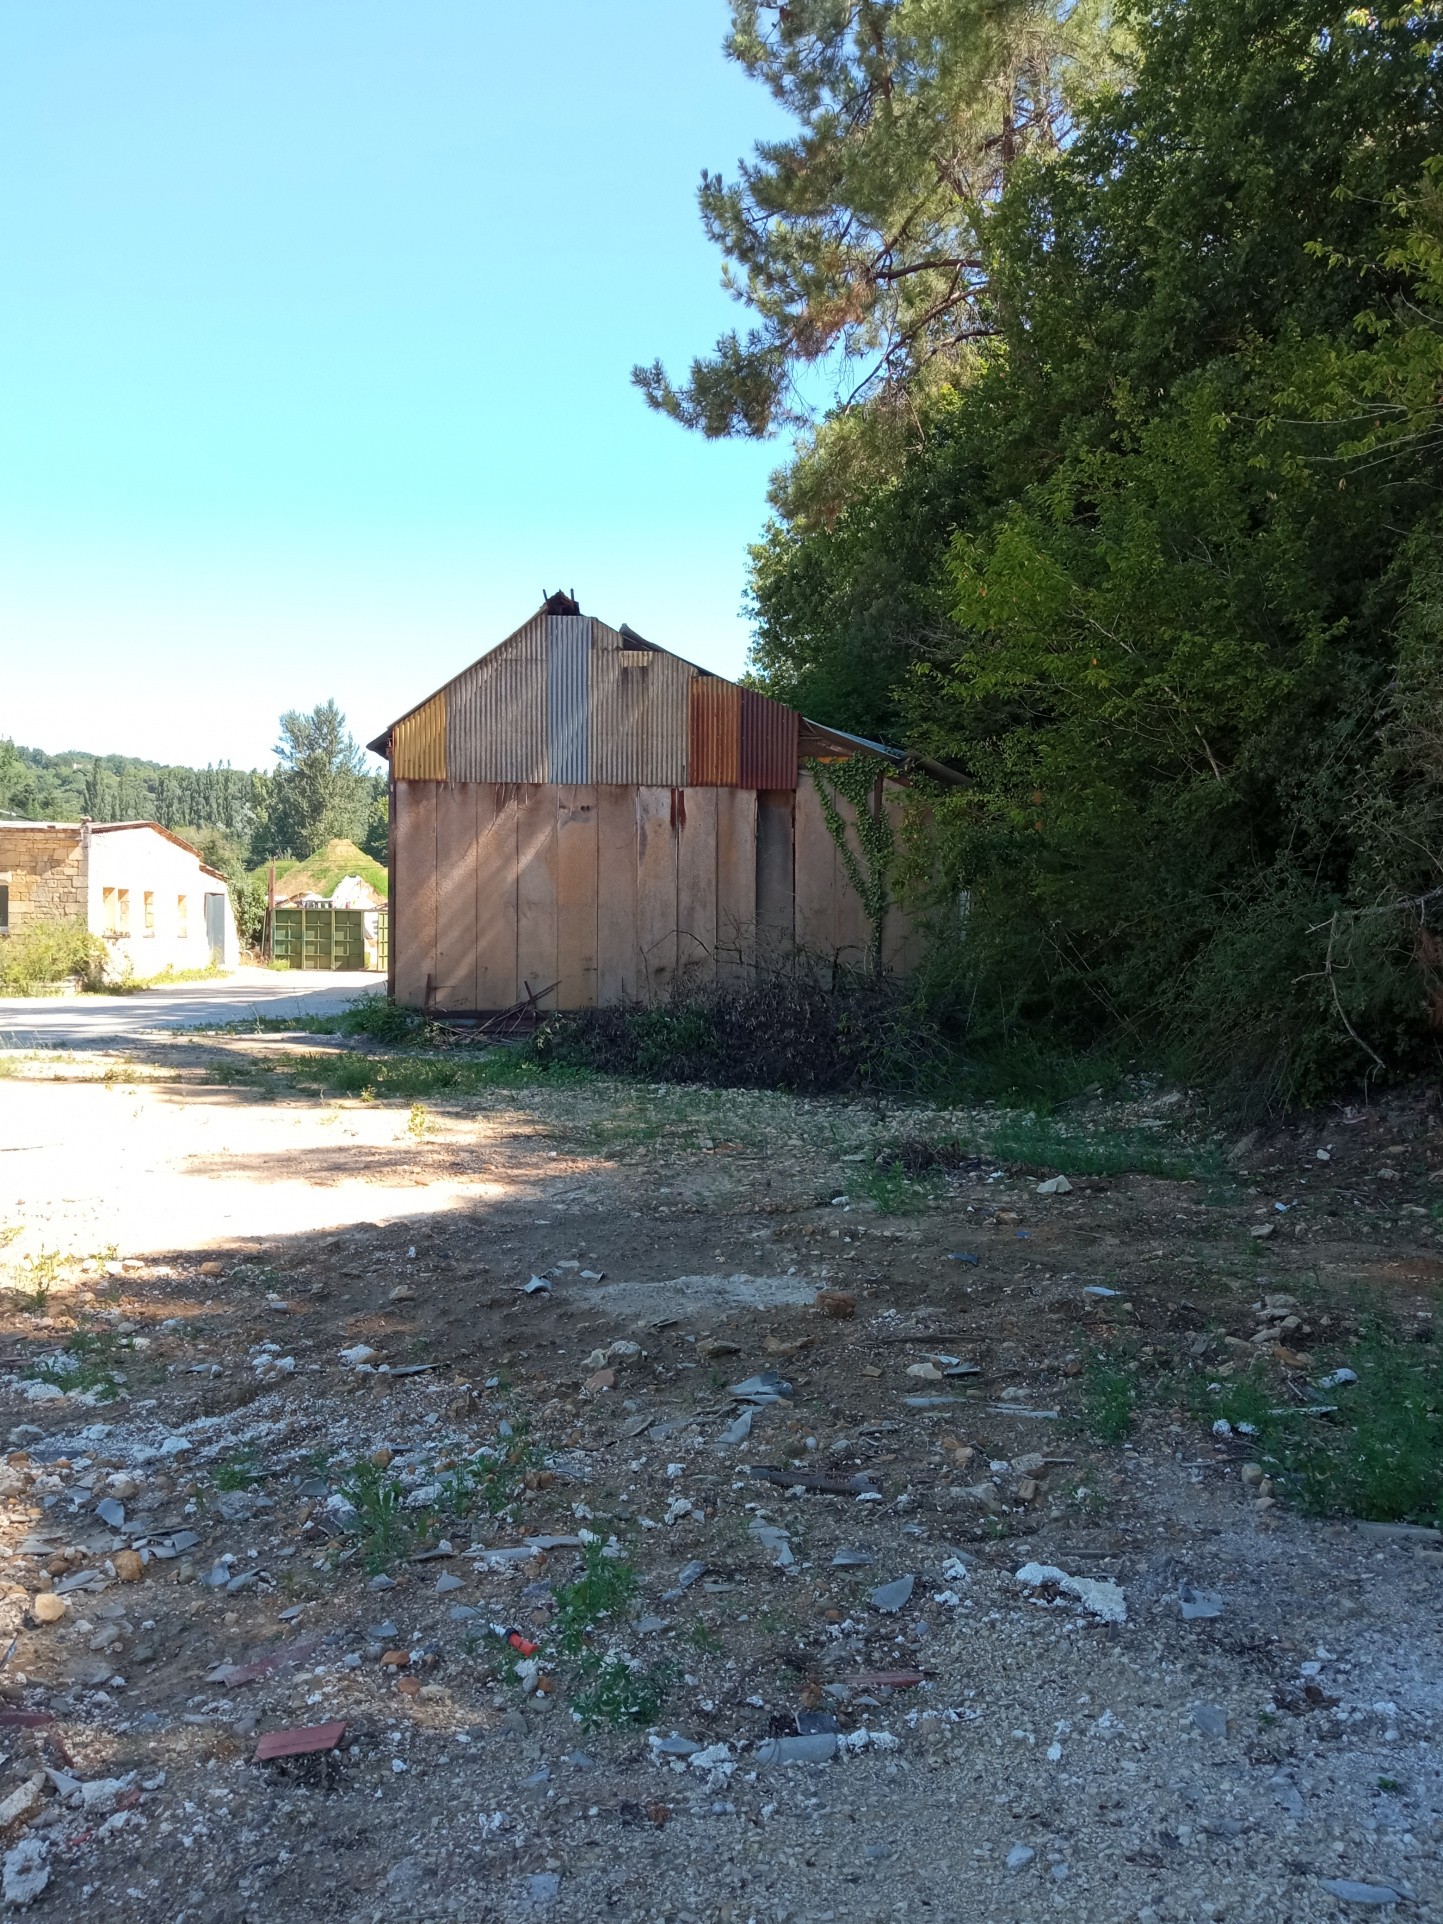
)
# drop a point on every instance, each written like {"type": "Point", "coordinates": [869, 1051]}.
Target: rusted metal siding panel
{"type": "Point", "coordinates": [497, 709]}
{"type": "Point", "coordinates": [418, 744]}
{"type": "Point", "coordinates": [714, 733]}
{"type": "Point", "coordinates": [568, 698]}
{"type": "Point", "coordinates": [768, 742]}
{"type": "Point", "coordinates": [639, 702]}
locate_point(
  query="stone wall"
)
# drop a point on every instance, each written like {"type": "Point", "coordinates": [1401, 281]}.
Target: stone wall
{"type": "Point", "coordinates": [45, 872]}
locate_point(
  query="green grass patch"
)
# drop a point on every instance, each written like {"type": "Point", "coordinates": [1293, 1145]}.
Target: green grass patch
{"type": "Point", "coordinates": [1379, 1456]}
{"type": "Point", "coordinates": [606, 1587]}
{"type": "Point", "coordinates": [891, 1191]}
{"type": "Point", "coordinates": [385, 1529]}
{"type": "Point", "coordinates": [1109, 1396]}
{"type": "Point", "coordinates": [1097, 1151]}
{"type": "Point", "coordinates": [620, 1695]}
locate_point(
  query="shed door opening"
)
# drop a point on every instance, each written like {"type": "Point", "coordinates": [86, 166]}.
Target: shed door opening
{"type": "Point", "coordinates": [215, 926]}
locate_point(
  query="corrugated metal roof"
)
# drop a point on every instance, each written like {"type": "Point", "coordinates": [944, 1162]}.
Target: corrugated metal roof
{"type": "Point", "coordinates": [567, 699]}
{"type": "Point", "coordinates": [497, 708]}
{"type": "Point", "coordinates": [638, 712]}
{"type": "Point", "coordinates": [768, 744]}
{"type": "Point", "coordinates": [418, 743]}
{"type": "Point", "coordinates": [714, 733]}
{"type": "Point", "coordinates": [568, 696]}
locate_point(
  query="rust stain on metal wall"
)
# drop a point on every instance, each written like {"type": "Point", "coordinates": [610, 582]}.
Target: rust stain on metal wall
{"type": "Point", "coordinates": [768, 742]}
{"type": "Point", "coordinates": [638, 712]}
{"type": "Point", "coordinates": [418, 743]}
{"type": "Point", "coordinates": [568, 698]}
{"type": "Point", "coordinates": [713, 750]}
{"type": "Point", "coordinates": [497, 711]}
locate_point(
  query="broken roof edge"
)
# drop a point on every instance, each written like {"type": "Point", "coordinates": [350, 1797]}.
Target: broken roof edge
{"type": "Point", "coordinates": [904, 758]}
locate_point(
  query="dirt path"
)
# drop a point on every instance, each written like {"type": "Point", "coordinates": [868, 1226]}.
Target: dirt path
{"type": "Point", "coordinates": [342, 1451]}
{"type": "Point", "coordinates": [111, 1021]}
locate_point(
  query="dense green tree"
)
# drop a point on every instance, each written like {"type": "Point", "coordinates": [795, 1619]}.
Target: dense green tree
{"type": "Point", "coordinates": [1159, 569]}
{"type": "Point", "coordinates": [320, 790]}
{"type": "Point", "coordinates": [857, 243]}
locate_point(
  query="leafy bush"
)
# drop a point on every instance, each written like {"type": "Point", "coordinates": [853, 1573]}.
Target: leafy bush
{"type": "Point", "coordinates": [788, 1032]}
{"type": "Point", "coordinates": [40, 955]}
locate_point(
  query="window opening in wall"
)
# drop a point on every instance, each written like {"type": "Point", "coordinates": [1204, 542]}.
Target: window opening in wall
{"type": "Point", "coordinates": [182, 917]}
{"type": "Point", "coordinates": [110, 911]}
{"type": "Point", "coordinates": [122, 911]}
{"type": "Point", "coordinates": [149, 912]}
{"type": "Point", "coordinates": [4, 908]}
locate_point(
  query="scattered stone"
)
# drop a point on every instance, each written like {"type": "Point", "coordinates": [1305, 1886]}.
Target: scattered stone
{"type": "Point", "coordinates": [357, 1354]}
{"type": "Point", "coordinates": [673, 1746]}
{"type": "Point", "coordinates": [836, 1303]}
{"type": "Point", "coordinates": [1019, 1857]}
{"type": "Point", "coordinates": [890, 1597]}
{"type": "Point", "coordinates": [774, 1541]}
{"type": "Point", "coordinates": [738, 1430]}
{"type": "Point", "coordinates": [129, 1566]}
{"type": "Point", "coordinates": [1055, 1186]}
{"type": "Point", "coordinates": [819, 1748]}
{"type": "Point", "coordinates": [47, 1607]}
{"type": "Point", "coordinates": [768, 1387]}
{"type": "Point", "coordinates": [543, 1888]}
{"type": "Point", "coordinates": [1373, 1896]}
{"type": "Point", "coordinates": [1211, 1719]}
{"type": "Point", "coordinates": [1198, 1605]}
{"type": "Point", "coordinates": [446, 1582]}
{"type": "Point", "coordinates": [23, 1802]}
{"type": "Point", "coordinates": [852, 1559]}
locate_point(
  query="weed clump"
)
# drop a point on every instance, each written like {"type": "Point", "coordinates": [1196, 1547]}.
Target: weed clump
{"type": "Point", "coordinates": [38, 956]}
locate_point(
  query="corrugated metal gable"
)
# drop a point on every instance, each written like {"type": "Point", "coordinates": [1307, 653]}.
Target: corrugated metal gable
{"type": "Point", "coordinates": [768, 742]}
{"type": "Point", "coordinates": [497, 711]}
{"type": "Point", "coordinates": [568, 693]}
{"type": "Point", "coordinates": [713, 754]}
{"type": "Point", "coordinates": [418, 743]}
{"type": "Point", "coordinates": [638, 712]}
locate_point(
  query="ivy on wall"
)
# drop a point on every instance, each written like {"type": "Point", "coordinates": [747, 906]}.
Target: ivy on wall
{"type": "Point", "coordinates": [859, 781]}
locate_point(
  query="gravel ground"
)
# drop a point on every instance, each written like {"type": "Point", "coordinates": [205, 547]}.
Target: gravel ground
{"type": "Point", "coordinates": [1064, 1742]}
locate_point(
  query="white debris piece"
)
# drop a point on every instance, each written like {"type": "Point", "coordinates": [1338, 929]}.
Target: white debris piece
{"type": "Point", "coordinates": [357, 1354]}
{"type": "Point", "coordinates": [26, 1872]}
{"type": "Point", "coordinates": [1055, 1186]}
{"type": "Point", "coordinates": [1102, 1598]}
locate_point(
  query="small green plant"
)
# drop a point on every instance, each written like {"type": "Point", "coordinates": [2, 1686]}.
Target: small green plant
{"type": "Point", "coordinates": [35, 1278]}
{"type": "Point", "coordinates": [616, 1693]}
{"type": "Point", "coordinates": [604, 1589]}
{"type": "Point", "coordinates": [89, 1362]}
{"type": "Point", "coordinates": [494, 1477]}
{"type": "Point", "coordinates": [419, 1121]}
{"type": "Point", "coordinates": [891, 1190]}
{"type": "Point", "coordinates": [1389, 1784]}
{"type": "Point", "coordinates": [704, 1639]}
{"type": "Point", "coordinates": [239, 1471]}
{"type": "Point", "coordinates": [1109, 1393]}
{"type": "Point", "coordinates": [385, 1529]}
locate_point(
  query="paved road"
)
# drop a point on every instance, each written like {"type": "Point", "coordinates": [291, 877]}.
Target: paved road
{"type": "Point", "coordinates": [104, 1021]}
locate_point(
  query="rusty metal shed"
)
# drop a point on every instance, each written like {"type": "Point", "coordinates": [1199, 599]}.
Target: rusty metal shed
{"type": "Point", "coordinates": [582, 817]}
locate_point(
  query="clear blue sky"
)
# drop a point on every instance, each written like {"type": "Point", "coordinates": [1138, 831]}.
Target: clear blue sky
{"type": "Point", "coordinates": [316, 321]}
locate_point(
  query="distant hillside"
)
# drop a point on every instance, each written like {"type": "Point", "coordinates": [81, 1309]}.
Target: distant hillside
{"type": "Point", "coordinates": [125, 788]}
{"type": "Point", "coordinates": [320, 873]}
